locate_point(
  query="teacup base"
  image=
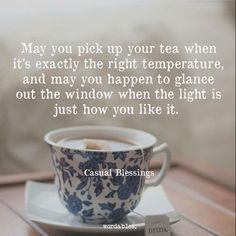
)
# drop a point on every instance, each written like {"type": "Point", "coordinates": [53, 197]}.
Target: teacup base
{"type": "Point", "coordinates": [101, 220]}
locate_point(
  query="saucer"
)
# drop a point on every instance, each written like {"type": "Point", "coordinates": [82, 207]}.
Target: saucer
{"type": "Point", "coordinates": [43, 206]}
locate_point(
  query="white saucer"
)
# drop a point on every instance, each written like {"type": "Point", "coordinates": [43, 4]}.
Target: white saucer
{"type": "Point", "coordinates": [43, 206]}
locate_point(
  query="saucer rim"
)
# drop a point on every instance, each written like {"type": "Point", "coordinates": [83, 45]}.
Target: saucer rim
{"type": "Point", "coordinates": [84, 227]}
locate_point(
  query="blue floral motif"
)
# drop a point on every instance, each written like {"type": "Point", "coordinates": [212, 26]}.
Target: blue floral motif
{"type": "Point", "coordinates": [98, 157]}
{"type": "Point", "coordinates": [117, 214]}
{"type": "Point", "coordinates": [126, 186]}
{"type": "Point", "coordinates": [92, 164]}
{"type": "Point", "coordinates": [68, 152]}
{"type": "Point", "coordinates": [124, 191]}
{"type": "Point", "coordinates": [133, 181]}
{"type": "Point", "coordinates": [107, 206]}
{"type": "Point", "coordinates": [87, 213]}
{"type": "Point", "coordinates": [117, 179]}
{"type": "Point", "coordinates": [96, 161]}
{"type": "Point", "coordinates": [75, 205]}
{"type": "Point", "coordinates": [83, 182]}
{"type": "Point", "coordinates": [139, 155]}
{"type": "Point", "coordinates": [98, 185]}
{"type": "Point", "coordinates": [120, 155]}
{"type": "Point", "coordinates": [88, 165]}
{"type": "Point", "coordinates": [111, 165]}
{"type": "Point", "coordinates": [63, 163]}
{"type": "Point", "coordinates": [114, 214]}
{"type": "Point", "coordinates": [67, 170]}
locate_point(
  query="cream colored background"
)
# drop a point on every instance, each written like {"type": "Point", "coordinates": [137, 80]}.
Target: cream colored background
{"type": "Point", "coordinates": [206, 129]}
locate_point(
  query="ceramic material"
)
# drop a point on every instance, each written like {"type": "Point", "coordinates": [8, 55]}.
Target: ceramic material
{"type": "Point", "coordinates": [43, 206]}
{"type": "Point", "coordinates": [102, 199]}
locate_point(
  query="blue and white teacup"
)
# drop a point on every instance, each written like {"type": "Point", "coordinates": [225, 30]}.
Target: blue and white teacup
{"type": "Point", "coordinates": [102, 186]}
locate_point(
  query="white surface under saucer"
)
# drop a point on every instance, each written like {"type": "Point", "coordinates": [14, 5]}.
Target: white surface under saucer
{"type": "Point", "coordinates": [43, 206]}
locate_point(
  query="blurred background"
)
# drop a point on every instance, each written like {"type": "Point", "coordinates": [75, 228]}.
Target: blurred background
{"type": "Point", "coordinates": [202, 137]}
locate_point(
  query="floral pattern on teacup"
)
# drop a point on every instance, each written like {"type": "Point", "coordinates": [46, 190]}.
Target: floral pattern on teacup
{"type": "Point", "coordinates": [98, 199]}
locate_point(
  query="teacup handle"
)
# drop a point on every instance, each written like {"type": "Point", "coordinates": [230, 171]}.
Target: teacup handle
{"type": "Point", "coordinates": [156, 180]}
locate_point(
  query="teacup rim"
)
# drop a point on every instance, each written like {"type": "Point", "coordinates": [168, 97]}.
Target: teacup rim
{"type": "Point", "coordinates": [103, 127]}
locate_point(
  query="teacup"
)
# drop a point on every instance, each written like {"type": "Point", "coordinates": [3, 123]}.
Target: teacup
{"type": "Point", "coordinates": [117, 186]}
